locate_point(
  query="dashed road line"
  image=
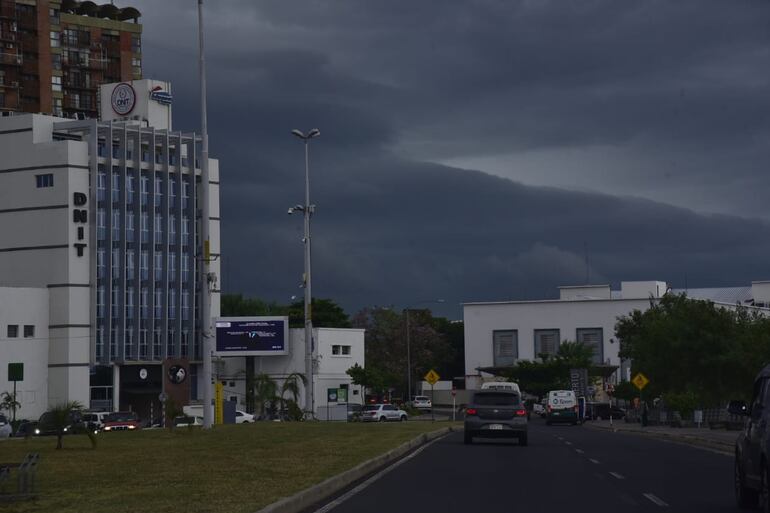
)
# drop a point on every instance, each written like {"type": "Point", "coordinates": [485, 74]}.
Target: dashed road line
{"type": "Point", "coordinates": [655, 500]}
{"type": "Point", "coordinates": [595, 462]}
{"type": "Point", "coordinates": [616, 475]}
{"type": "Point", "coordinates": [568, 442]}
{"type": "Point", "coordinates": [579, 451]}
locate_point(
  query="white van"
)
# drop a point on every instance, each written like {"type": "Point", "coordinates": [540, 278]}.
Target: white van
{"type": "Point", "coordinates": [501, 385]}
{"type": "Point", "coordinates": [562, 407]}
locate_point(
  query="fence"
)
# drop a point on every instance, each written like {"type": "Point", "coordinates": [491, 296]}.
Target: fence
{"type": "Point", "coordinates": [714, 418]}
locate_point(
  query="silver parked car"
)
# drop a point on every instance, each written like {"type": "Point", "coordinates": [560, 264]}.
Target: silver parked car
{"type": "Point", "coordinates": [496, 414]}
{"type": "Point", "coordinates": [382, 413]}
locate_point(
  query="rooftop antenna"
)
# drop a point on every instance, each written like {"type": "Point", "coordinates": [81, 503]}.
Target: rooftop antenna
{"type": "Point", "coordinates": [588, 268]}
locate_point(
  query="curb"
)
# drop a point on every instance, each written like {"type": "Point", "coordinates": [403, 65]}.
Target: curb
{"type": "Point", "coordinates": [317, 493]}
{"type": "Point", "coordinates": [726, 448]}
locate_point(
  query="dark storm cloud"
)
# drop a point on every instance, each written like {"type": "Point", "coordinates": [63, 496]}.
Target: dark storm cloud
{"type": "Point", "coordinates": [388, 82]}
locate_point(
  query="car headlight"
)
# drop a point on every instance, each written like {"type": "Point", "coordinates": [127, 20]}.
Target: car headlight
{"type": "Point", "coordinates": [108, 428]}
{"type": "Point", "coordinates": [65, 430]}
{"type": "Point", "coordinates": [37, 431]}
{"type": "Point", "coordinates": [131, 427]}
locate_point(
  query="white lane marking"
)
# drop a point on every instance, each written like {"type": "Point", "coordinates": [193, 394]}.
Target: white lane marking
{"type": "Point", "coordinates": [616, 475]}
{"type": "Point", "coordinates": [568, 443]}
{"type": "Point", "coordinates": [342, 498]}
{"type": "Point", "coordinates": [579, 451]}
{"type": "Point", "coordinates": [595, 462]}
{"type": "Point", "coordinates": [560, 438]}
{"type": "Point", "coordinates": [655, 500]}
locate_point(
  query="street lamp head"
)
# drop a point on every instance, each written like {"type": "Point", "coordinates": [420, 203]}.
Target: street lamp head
{"type": "Point", "coordinates": [314, 133]}
{"type": "Point", "coordinates": [298, 133]}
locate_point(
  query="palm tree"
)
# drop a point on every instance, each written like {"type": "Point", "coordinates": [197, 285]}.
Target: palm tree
{"type": "Point", "coordinates": [291, 385]}
{"type": "Point", "coordinates": [265, 391]}
{"type": "Point", "coordinates": [8, 402]}
{"type": "Point", "coordinates": [59, 418]}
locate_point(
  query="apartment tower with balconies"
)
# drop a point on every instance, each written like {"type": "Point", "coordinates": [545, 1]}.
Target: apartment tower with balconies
{"type": "Point", "coordinates": [54, 54]}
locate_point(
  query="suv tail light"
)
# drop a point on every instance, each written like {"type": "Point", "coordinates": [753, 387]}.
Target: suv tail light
{"type": "Point", "coordinates": [471, 411]}
{"type": "Point", "coordinates": [521, 413]}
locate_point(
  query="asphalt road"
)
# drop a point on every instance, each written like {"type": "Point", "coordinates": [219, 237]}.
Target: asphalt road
{"type": "Point", "coordinates": [564, 468]}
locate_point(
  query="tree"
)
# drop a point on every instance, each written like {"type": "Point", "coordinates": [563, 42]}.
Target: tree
{"type": "Point", "coordinates": [60, 418]}
{"type": "Point", "coordinates": [291, 385]}
{"type": "Point", "coordinates": [369, 377]}
{"type": "Point", "coordinates": [386, 344]}
{"type": "Point", "coordinates": [324, 312]}
{"type": "Point", "coordinates": [9, 403]}
{"type": "Point", "coordinates": [265, 391]}
{"type": "Point", "coordinates": [553, 373]}
{"type": "Point", "coordinates": [695, 350]}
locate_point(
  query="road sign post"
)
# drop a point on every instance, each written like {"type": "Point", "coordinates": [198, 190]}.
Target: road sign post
{"type": "Point", "coordinates": [432, 377]}
{"type": "Point", "coordinates": [640, 381]}
{"type": "Point", "coordinates": [454, 403]}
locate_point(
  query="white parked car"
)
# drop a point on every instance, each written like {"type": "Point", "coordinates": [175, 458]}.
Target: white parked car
{"type": "Point", "coordinates": [241, 417]}
{"type": "Point", "coordinates": [422, 402]}
{"type": "Point", "coordinates": [5, 427]}
{"type": "Point", "coordinates": [382, 413]}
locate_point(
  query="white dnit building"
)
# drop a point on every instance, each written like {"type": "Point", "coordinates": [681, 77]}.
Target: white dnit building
{"type": "Point", "coordinates": [100, 254]}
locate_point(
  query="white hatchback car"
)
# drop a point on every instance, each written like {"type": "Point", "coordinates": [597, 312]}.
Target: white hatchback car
{"type": "Point", "coordinates": [382, 413]}
{"type": "Point", "coordinates": [422, 402]}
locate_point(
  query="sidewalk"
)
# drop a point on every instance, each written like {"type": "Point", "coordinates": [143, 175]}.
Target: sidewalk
{"type": "Point", "coordinates": [718, 440]}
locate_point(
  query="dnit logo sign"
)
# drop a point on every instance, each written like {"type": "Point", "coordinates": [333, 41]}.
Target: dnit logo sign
{"type": "Point", "coordinates": [123, 99]}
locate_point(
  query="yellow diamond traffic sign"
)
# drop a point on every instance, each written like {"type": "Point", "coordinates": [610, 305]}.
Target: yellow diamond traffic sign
{"type": "Point", "coordinates": [640, 381]}
{"type": "Point", "coordinates": [432, 377]}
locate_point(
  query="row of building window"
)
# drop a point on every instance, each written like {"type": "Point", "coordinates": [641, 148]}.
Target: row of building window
{"type": "Point", "coordinates": [144, 259]}
{"type": "Point", "coordinates": [144, 221]}
{"type": "Point", "coordinates": [505, 344]}
{"type": "Point", "coordinates": [144, 305]}
{"type": "Point", "coordinates": [144, 189]}
{"type": "Point", "coordinates": [13, 331]}
{"type": "Point", "coordinates": [139, 347]}
{"type": "Point", "coordinates": [116, 154]}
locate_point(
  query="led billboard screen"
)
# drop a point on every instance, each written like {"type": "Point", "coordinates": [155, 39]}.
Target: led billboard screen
{"type": "Point", "coordinates": [252, 336]}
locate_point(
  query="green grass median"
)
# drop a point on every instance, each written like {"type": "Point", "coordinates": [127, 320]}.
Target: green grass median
{"type": "Point", "coordinates": [233, 469]}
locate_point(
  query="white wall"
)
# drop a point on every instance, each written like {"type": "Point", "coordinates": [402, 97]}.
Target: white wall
{"type": "Point", "coordinates": [481, 320]}
{"type": "Point", "coordinates": [47, 221]}
{"type": "Point", "coordinates": [22, 306]}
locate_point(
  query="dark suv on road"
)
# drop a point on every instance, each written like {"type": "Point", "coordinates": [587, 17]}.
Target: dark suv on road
{"type": "Point", "coordinates": [752, 448]}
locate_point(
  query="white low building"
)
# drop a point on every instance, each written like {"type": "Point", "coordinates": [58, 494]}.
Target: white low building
{"type": "Point", "coordinates": [337, 351]}
{"type": "Point", "coordinates": [500, 333]}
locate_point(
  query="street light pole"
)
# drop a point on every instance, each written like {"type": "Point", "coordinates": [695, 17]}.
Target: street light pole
{"type": "Point", "coordinates": [208, 416]}
{"type": "Point", "coordinates": [307, 210]}
{"type": "Point", "coordinates": [409, 345]}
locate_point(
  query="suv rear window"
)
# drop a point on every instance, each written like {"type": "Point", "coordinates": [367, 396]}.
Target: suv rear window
{"type": "Point", "coordinates": [486, 399]}
{"type": "Point", "coordinates": [371, 407]}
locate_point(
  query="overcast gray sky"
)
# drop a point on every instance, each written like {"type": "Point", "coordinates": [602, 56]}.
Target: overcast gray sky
{"type": "Point", "coordinates": [478, 150]}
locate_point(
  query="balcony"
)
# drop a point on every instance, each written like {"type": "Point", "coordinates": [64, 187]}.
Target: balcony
{"type": "Point", "coordinates": [8, 36]}
{"type": "Point", "coordinates": [11, 59]}
{"type": "Point", "coordinates": [79, 83]}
